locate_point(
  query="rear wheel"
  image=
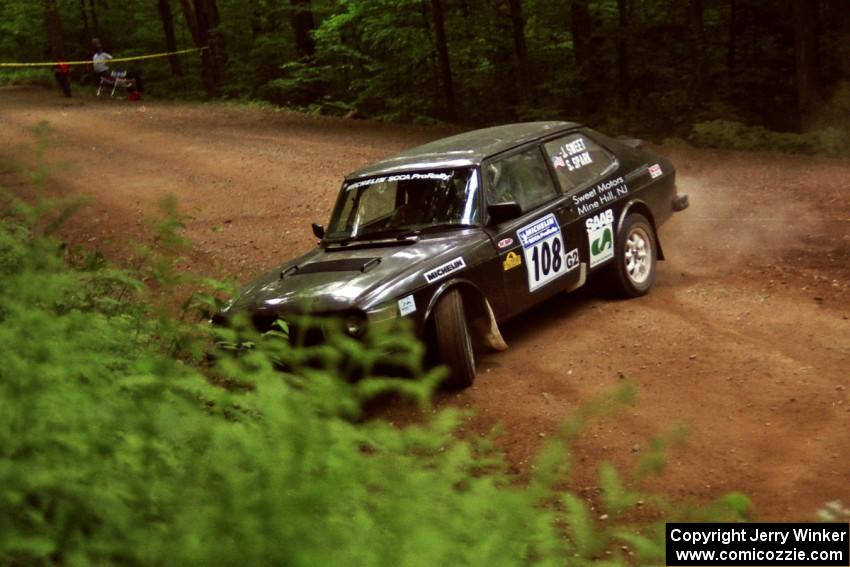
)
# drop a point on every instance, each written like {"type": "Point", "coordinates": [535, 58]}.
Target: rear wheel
{"type": "Point", "coordinates": [633, 270]}
{"type": "Point", "coordinates": [453, 341]}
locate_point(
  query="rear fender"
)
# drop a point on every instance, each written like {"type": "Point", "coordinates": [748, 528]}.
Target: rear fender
{"type": "Point", "coordinates": [638, 206]}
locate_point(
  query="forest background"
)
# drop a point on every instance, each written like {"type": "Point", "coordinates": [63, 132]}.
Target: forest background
{"type": "Point", "coordinates": [715, 72]}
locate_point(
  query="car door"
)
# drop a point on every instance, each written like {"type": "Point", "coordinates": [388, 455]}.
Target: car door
{"type": "Point", "coordinates": [590, 177]}
{"type": "Point", "coordinates": [538, 257]}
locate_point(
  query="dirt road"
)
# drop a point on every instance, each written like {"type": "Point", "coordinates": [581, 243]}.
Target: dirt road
{"type": "Point", "coordinates": [745, 338]}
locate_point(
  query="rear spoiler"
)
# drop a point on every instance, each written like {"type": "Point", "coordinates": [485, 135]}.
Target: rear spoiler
{"type": "Point", "coordinates": [633, 143]}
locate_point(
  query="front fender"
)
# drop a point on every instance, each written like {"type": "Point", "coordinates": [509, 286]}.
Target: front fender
{"type": "Point", "coordinates": [446, 286]}
{"type": "Point", "coordinates": [479, 314]}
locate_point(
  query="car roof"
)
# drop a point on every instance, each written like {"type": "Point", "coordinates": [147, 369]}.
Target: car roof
{"type": "Point", "coordinates": [463, 150]}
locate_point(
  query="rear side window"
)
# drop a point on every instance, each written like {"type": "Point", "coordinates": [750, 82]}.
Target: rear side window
{"type": "Point", "coordinates": [578, 160]}
{"type": "Point", "coordinates": [523, 178]}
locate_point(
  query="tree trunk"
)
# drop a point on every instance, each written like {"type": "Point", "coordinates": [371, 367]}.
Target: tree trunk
{"type": "Point", "coordinates": [87, 36]}
{"type": "Point", "coordinates": [202, 19]}
{"type": "Point", "coordinates": [623, 56]}
{"type": "Point", "coordinates": [526, 87]}
{"type": "Point", "coordinates": [94, 25]}
{"type": "Point", "coordinates": [805, 52]}
{"type": "Point", "coordinates": [733, 37]}
{"type": "Point", "coordinates": [164, 7]}
{"type": "Point", "coordinates": [256, 21]}
{"type": "Point", "coordinates": [303, 26]}
{"type": "Point", "coordinates": [191, 20]}
{"type": "Point", "coordinates": [581, 28]}
{"type": "Point", "coordinates": [698, 83]}
{"type": "Point", "coordinates": [206, 12]}
{"type": "Point", "coordinates": [53, 22]}
{"type": "Point", "coordinates": [443, 59]}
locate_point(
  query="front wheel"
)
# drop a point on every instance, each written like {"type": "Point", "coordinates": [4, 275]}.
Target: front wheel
{"type": "Point", "coordinates": [453, 341]}
{"type": "Point", "coordinates": [633, 271]}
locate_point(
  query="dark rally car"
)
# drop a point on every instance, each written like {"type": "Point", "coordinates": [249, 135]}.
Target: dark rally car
{"type": "Point", "coordinates": [463, 233]}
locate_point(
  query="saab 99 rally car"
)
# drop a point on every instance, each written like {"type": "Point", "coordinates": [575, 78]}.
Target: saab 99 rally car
{"type": "Point", "coordinates": [463, 233]}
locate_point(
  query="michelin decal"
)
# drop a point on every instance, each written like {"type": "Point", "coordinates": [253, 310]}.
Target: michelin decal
{"type": "Point", "coordinates": [442, 271]}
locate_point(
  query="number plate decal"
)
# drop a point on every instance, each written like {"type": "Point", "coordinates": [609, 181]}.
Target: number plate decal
{"type": "Point", "coordinates": [544, 252]}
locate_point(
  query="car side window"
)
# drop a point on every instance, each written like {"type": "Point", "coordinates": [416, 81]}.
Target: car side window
{"type": "Point", "coordinates": [523, 178]}
{"type": "Point", "coordinates": [578, 160]}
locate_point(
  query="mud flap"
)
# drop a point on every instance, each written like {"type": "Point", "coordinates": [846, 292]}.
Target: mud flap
{"type": "Point", "coordinates": [486, 330]}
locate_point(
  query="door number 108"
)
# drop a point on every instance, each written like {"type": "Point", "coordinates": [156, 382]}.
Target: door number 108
{"type": "Point", "coordinates": [547, 259]}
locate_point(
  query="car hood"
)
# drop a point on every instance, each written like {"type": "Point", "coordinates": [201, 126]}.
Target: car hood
{"type": "Point", "coordinates": [361, 275]}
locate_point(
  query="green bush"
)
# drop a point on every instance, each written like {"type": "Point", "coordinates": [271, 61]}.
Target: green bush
{"type": "Point", "coordinates": [39, 76]}
{"type": "Point", "coordinates": [737, 136]}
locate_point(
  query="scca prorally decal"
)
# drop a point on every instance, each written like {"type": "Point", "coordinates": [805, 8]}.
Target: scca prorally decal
{"type": "Point", "coordinates": [505, 242]}
{"type": "Point", "coordinates": [600, 195]}
{"type": "Point", "coordinates": [399, 177]}
{"type": "Point", "coordinates": [406, 305]}
{"type": "Point", "coordinates": [600, 237]}
{"type": "Point", "coordinates": [655, 171]}
{"type": "Point", "coordinates": [543, 249]}
{"type": "Point", "coordinates": [444, 270]}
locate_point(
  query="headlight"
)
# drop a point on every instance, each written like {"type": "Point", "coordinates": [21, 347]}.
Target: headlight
{"type": "Point", "coordinates": [384, 312]}
{"type": "Point", "coordinates": [355, 324]}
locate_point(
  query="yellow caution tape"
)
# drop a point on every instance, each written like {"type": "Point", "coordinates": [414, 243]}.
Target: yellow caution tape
{"type": "Point", "coordinates": [107, 61]}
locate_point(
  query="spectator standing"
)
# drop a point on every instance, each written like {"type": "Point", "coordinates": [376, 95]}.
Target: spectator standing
{"type": "Point", "coordinates": [62, 74]}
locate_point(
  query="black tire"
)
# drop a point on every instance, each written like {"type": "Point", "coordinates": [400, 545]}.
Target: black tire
{"type": "Point", "coordinates": [453, 341]}
{"type": "Point", "coordinates": [633, 271]}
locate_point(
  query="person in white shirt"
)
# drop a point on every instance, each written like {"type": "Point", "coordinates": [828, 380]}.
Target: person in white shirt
{"type": "Point", "coordinates": [99, 59]}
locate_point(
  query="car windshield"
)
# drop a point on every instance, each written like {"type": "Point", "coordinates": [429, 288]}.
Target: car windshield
{"type": "Point", "coordinates": [402, 203]}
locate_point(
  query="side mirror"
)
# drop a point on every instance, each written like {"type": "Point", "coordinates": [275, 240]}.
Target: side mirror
{"type": "Point", "coordinates": [501, 212]}
{"type": "Point", "coordinates": [318, 230]}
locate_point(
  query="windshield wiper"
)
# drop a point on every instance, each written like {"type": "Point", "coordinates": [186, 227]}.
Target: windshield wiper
{"type": "Point", "coordinates": [366, 236]}
{"type": "Point", "coordinates": [435, 228]}
{"type": "Point", "coordinates": [405, 233]}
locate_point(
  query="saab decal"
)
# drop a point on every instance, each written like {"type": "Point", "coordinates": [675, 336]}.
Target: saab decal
{"type": "Point", "coordinates": [600, 237]}
{"type": "Point", "coordinates": [442, 271]}
{"type": "Point", "coordinates": [512, 260]}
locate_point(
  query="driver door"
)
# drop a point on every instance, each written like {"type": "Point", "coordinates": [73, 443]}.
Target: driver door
{"type": "Point", "coordinates": [538, 255]}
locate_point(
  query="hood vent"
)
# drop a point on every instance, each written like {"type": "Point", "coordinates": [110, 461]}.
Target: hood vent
{"type": "Point", "coordinates": [347, 265]}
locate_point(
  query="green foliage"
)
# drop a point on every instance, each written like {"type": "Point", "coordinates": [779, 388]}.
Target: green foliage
{"type": "Point", "coordinates": [26, 76]}
{"type": "Point", "coordinates": [735, 135]}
